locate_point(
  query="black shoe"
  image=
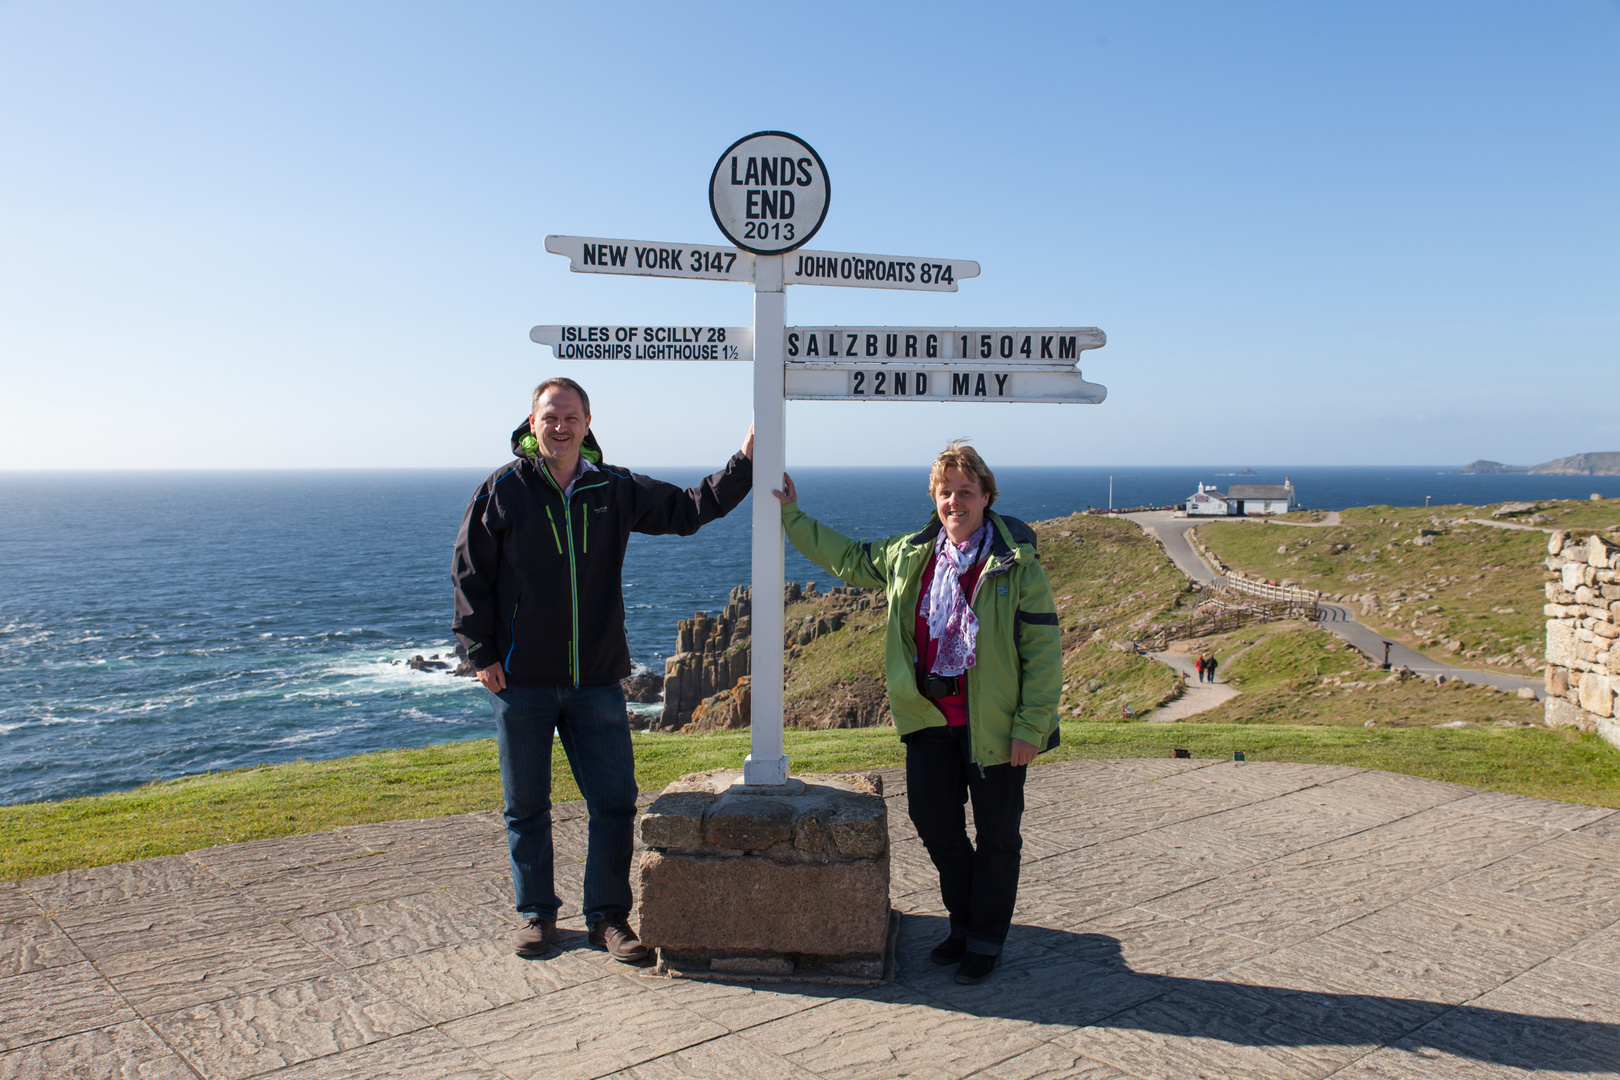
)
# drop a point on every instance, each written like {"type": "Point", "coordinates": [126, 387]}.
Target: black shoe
{"type": "Point", "coordinates": [975, 968]}
{"type": "Point", "coordinates": [949, 951]}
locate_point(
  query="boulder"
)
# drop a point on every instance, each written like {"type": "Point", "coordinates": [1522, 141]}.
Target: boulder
{"type": "Point", "coordinates": [643, 689]}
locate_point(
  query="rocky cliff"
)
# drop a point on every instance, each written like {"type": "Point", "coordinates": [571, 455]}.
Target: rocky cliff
{"type": "Point", "coordinates": [706, 685]}
{"type": "Point", "coordinates": [711, 655]}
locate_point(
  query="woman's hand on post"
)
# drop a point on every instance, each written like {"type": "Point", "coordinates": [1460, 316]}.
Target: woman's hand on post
{"type": "Point", "coordinates": [1022, 752]}
{"type": "Point", "coordinates": [788, 494]}
{"type": "Point", "coordinates": [748, 444]}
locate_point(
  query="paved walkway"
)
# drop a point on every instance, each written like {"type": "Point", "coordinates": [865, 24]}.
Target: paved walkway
{"type": "Point", "coordinates": [1338, 618]}
{"type": "Point", "coordinates": [1196, 696]}
{"type": "Point", "coordinates": [1176, 919]}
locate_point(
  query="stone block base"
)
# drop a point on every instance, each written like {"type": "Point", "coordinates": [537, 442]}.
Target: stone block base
{"type": "Point", "coordinates": [1562, 713]}
{"type": "Point", "coordinates": [742, 885]}
{"type": "Point", "coordinates": [776, 968]}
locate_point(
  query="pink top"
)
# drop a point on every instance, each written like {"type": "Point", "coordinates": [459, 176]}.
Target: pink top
{"type": "Point", "coordinates": [955, 708]}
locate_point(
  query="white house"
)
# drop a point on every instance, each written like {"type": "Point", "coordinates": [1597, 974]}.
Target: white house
{"type": "Point", "coordinates": [1243, 499]}
{"type": "Point", "coordinates": [1208, 502]}
{"type": "Point", "coordinates": [1264, 498]}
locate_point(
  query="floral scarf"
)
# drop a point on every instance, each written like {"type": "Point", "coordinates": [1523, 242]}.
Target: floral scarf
{"type": "Point", "coordinates": [951, 621]}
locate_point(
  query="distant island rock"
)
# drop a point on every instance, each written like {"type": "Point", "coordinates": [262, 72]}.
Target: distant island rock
{"type": "Point", "coordinates": [1483, 467]}
{"type": "Point", "coordinates": [1245, 471]}
{"type": "Point", "coordinates": [1604, 464]}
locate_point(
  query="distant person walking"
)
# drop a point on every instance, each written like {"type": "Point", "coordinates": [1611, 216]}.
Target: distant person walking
{"type": "Point", "coordinates": [1209, 667]}
{"type": "Point", "coordinates": [973, 670]}
{"type": "Point", "coordinates": [1200, 666]}
{"type": "Point", "coordinates": [539, 607]}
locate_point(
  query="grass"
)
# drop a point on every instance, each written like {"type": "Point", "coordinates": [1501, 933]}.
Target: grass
{"type": "Point", "coordinates": [1282, 654]}
{"type": "Point", "coordinates": [1473, 596]}
{"type": "Point", "coordinates": [1100, 682]}
{"type": "Point", "coordinates": [282, 800]}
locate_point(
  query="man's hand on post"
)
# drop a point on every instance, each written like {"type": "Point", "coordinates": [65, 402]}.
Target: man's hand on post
{"type": "Point", "coordinates": [788, 494]}
{"type": "Point", "coordinates": [748, 444]}
{"type": "Point", "coordinates": [493, 678]}
{"type": "Point", "coordinates": [1022, 752]}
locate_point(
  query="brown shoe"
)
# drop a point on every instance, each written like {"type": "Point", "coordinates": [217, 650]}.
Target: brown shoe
{"type": "Point", "coordinates": [614, 934]}
{"type": "Point", "coordinates": [535, 938]}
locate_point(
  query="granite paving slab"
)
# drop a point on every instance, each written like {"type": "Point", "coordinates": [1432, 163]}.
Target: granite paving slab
{"type": "Point", "coordinates": [236, 862]}
{"type": "Point", "coordinates": [464, 980]}
{"type": "Point", "coordinates": [203, 969]}
{"type": "Point", "coordinates": [34, 942]}
{"type": "Point", "coordinates": [581, 1032]}
{"type": "Point", "coordinates": [730, 1057]}
{"type": "Point", "coordinates": [1176, 919]}
{"type": "Point", "coordinates": [16, 904]}
{"type": "Point", "coordinates": [130, 1049]}
{"type": "Point", "coordinates": [258, 1032]}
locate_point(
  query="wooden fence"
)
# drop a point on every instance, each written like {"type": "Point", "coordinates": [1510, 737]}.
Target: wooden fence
{"type": "Point", "coordinates": [1229, 608]}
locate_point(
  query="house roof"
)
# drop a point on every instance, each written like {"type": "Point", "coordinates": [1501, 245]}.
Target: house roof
{"type": "Point", "coordinates": [1262, 491]}
{"type": "Point", "coordinates": [1211, 492]}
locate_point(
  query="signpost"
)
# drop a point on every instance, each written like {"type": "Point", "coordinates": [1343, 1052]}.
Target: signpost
{"type": "Point", "coordinates": [769, 194]}
{"type": "Point", "coordinates": [878, 271]}
{"type": "Point", "coordinates": [647, 342]}
{"type": "Point", "coordinates": [940, 363]}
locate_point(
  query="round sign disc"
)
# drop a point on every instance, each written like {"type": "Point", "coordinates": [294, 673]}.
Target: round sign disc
{"type": "Point", "coordinates": [769, 192]}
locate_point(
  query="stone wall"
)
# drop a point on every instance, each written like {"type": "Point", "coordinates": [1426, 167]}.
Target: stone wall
{"type": "Point", "coordinates": [1583, 624]}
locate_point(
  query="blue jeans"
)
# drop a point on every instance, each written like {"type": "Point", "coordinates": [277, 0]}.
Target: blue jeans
{"type": "Point", "coordinates": [595, 735]}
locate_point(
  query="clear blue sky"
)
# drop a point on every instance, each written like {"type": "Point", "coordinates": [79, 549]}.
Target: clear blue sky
{"type": "Point", "coordinates": [310, 234]}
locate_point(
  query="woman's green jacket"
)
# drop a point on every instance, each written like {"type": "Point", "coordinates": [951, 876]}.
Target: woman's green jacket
{"type": "Point", "coordinates": [1014, 686]}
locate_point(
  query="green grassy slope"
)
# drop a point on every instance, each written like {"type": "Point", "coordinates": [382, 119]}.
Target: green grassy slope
{"type": "Point", "coordinates": [1472, 597]}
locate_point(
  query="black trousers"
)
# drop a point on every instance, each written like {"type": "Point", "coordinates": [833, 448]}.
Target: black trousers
{"type": "Point", "coordinates": [979, 884]}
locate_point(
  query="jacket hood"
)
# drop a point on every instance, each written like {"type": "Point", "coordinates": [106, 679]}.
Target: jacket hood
{"type": "Point", "coordinates": [527, 447]}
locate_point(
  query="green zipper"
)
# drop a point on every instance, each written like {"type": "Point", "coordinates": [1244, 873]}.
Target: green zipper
{"type": "Point", "coordinates": [554, 537]}
{"type": "Point", "coordinates": [573, 569]}
{"type": "Point", "coordinates": [573, 589]}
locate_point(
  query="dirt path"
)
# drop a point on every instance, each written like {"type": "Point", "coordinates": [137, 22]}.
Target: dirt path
{"type": "Point", "coordinates": [1196, 698]}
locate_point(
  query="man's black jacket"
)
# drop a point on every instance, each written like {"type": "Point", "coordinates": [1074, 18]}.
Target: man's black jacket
{"type": "Point", "coordinates": [538, 578]}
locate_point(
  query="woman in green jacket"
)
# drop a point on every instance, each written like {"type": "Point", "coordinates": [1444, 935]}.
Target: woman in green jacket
{"type": "Point", "coordinates": [974, 667]}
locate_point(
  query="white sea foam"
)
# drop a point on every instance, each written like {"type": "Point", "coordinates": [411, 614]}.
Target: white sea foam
{"type": "Point", "coordinates": [308, 736]}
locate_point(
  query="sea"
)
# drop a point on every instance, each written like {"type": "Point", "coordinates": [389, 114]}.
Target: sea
{"type": "Point", "coordinates": [163, 624]}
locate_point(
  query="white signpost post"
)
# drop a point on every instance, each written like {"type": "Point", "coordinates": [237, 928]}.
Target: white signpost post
{"type": "Point", "coordinates": [769, 195]}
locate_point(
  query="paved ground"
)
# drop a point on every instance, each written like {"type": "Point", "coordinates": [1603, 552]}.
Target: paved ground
{"type": "Point", "coordinates": [1176, 919]}
{"type": "Point", "coordinates": [1339, 619]}
{"type": "Point", "coordinates": [1198, 696]}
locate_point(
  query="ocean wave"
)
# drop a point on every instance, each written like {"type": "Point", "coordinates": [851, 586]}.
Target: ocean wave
{"type": "Point", "coordinates": [307, 736]}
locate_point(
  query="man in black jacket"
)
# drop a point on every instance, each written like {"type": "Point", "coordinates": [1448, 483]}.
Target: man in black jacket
{"type": "Point", "coordinates": [540, 610]}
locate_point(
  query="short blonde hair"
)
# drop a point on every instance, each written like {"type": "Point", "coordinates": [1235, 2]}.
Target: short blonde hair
{"type": "Point", "coordinates": [959, 455]}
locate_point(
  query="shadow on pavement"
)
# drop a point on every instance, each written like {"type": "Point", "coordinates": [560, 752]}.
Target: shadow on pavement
{"type": "Point", "coordinates": [1065, 978]}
